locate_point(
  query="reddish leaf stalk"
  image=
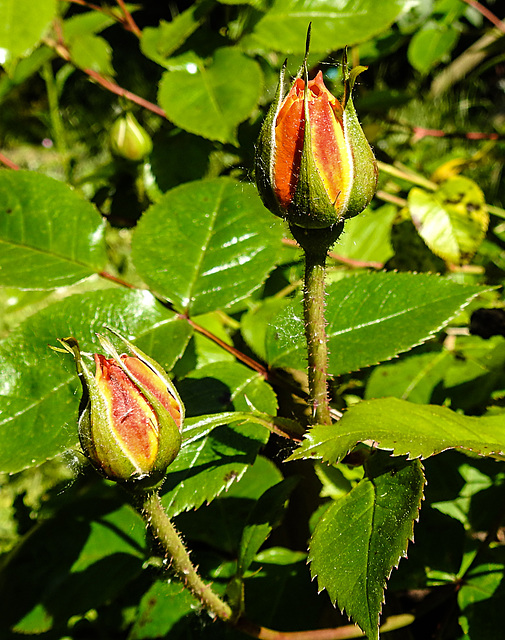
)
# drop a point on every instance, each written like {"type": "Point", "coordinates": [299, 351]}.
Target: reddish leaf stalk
{"type": "Point", "coordinates": [107, 83]}
{"type": "Point", "coordinates": [8, 163]}
{"type": "Point", "coordinates": [500, 24]}
{"type": "Point", "coordinates": [132, 25]}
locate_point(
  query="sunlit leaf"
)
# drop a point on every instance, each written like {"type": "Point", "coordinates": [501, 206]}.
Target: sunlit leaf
{"type": "Point", "coordinates": [371, 317]}
{"type": "Point", "coordinates": [453, 220]}
{"type": "Point", "coordinates": [212, 100]}
{"type": "Point", "coordinates": [362, 536]}
{"type": "Point", "coordinates": [49, 235]}
{"type": "Point", "coordinates": [206, 244]}
{"type": "Point", "coordinates": [405, 428]}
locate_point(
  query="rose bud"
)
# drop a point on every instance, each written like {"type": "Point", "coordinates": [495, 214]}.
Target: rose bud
{"type": "Point", "coordinates": [314, 166]}
{"type": "Point", "coordinates": [128, 139]}
{"type": "Point", "coordinates": [131, 414]}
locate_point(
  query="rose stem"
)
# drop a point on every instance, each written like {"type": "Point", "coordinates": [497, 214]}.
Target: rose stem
{"type": "Point", "coordinates": [316, 243]}
{"type": "Point", "coordinates": [154, 514]}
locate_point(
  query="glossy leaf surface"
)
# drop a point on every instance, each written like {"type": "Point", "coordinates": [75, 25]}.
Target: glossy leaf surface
{"type": "Point", "coordinates": [206, 245]}
{"type": "Point", "coordinates": [362, 536]}
{"type": "Point", "coordinates": [49, 236]}
{"type": "Point", "coordinates": [370, 317]}
{"type": "Point", "coordinates": [224, 451]}
{"type": "Point", "coordinates": [284, 26]}
{"type": "Point", "coordinates": [419, 431]}
{"type": "Point", "coordinates": [39, 389]}
{"type": "Point", "coordinates": [212, 100]}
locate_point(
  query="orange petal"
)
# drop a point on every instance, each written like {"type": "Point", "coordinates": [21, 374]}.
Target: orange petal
{"type": "Point", "coordinates": [131, 417]}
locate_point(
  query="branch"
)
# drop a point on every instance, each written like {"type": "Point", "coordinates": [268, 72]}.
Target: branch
{"type": "Point", "coordinates": [61, 49]}
{"type": "Point", "coordinates": [115, 88]}
{"type": "Point", "coordinates": [126, 19]}
{"type": "Point", "coordinates": [129, 20]}
{"type": "Point", "coordinates": [8, 163]}
{"type": "Point", "coordinates": [466, 62]}
{"type": "Point", "coordinates": [247, 360]}
{"type": "Point", "coordinates": [337, 633]}
{"type": "Point", "coordinates": [487, 14]}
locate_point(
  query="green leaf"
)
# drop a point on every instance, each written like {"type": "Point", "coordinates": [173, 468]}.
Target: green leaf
{"type": "Point", "coordinates": [206, 245]}
{"type": "Point", "coordinates": [23, 24]}
{"type": "Point", "coordinates": [453, 220]}
{"type": "Point", "coordinates": [419, 431]}
{"type": "Point", "coordinates": [413, 378]}
{"type": "Point", "coordinates": [367, 237]}
{"type": "Point", "coordinates": [206, 350]}
{"type": "Point", "coordinates": [476, 370]}
{"type": "Point", "coordinates": [85, 557]}
{"type": "Point", "coordinates": [221, 523]}
{"type": "Point", "coordinates": [430, 45]}
{"type": "Point", "coordinates": [158, 43]}
{"type": "Point", "coordinates": [284, 26]}
{"type": "Point", "coordinates": [224, 386]}
{"type": "Point", "coordinates": [49, 236]}
{"type": "Point", "coordinates": [362, 536]}
{"type": "Point", "coordinates": [215, 455]}
{"type": "Point", "coordinates": [481, 597]}
{"type": "Point", "coordinates": [262, 520]}
{"type": "Point", "coordinates": [91, 52]}
{"type": "Point", "coordinates": [254, 324]}
{"type": "Point", "coordinates": [212, 100]}
{"type": "Point", "coordinates": [280, 593]}
{"type": "Point", "coordinates": [371, 317]}
{"type": "Point", "coordinates": [154, 619]}
{"type": "Point", "coordinates": [39, 389]}
{"type": "Point", "coordinates": [208, 466]}
{"type": "Point", "coordinates": [91, 22]}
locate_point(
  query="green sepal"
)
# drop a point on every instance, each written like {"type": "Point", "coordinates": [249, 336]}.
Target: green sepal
{"type": "Point", "coordinates": [364, 179]}
{"type": "Point", "coordinates": [265, 150]}
{"type": "Point", "coordinates": [169, 436]}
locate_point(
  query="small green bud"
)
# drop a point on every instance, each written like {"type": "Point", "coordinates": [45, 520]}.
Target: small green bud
{"type": "Point", "coordinates": [128, 139]}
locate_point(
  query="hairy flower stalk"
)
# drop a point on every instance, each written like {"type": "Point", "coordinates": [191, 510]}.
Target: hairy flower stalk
{"type": "Point", "coordinates": [314, 168]}
{"type": "Point", "coordinates": [151, 509]}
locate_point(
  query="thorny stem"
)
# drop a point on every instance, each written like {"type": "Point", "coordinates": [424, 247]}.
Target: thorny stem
{"type": "Point", "coordinates": [158, 521]}
{"type": "Point", "coordinates": [152, 511]}
{"type": "Point", "coordinates": [316, 243]}
{"type": "Point", "coordinates": [315, 332]}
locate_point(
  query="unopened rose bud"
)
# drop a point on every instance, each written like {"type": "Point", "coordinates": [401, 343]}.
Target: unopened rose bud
{"type": "Point", "coordinates": [314, 166]}
{"type": "Point", "coordinates": [131, 415]}
{"type": "Point", "coordinates": [128, 139]}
